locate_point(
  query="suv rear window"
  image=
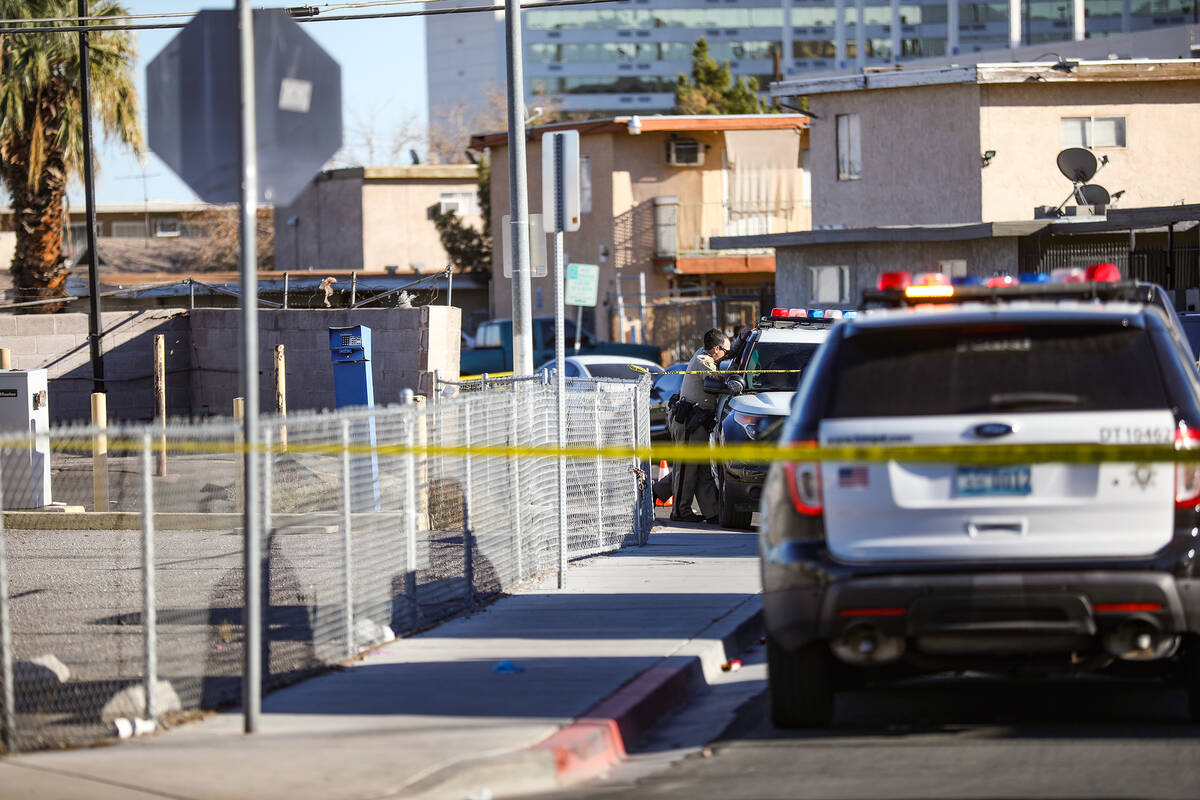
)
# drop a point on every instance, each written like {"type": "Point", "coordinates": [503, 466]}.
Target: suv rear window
{"type": "Point", "coordinates": [995, 367]}
{"type": "Point", "coordinates": [778, 356]}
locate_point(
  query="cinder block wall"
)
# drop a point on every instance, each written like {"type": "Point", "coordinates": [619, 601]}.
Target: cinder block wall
{"type": "Point", "coordinates": [202, 355]}
{"type": "Point", "coordinates": [59, 343]}
{"type": "Point", "coordinates": [408, 345]}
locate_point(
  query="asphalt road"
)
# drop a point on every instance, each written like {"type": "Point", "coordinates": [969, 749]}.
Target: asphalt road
{"type": "Point", "coordinates": [942, 738]}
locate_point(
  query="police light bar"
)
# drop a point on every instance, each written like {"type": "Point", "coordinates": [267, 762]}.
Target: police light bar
{"type": "Point", "coordinates": [929, 291]}
{"type": "Point", "coordinates": [1003, 290]}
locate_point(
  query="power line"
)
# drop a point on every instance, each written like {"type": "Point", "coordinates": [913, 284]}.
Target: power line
{"type": "Point", "coordinates": [299, 13]}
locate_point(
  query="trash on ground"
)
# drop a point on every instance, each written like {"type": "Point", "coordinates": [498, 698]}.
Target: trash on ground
{"type": "Point", "coordinates": [507, 668]}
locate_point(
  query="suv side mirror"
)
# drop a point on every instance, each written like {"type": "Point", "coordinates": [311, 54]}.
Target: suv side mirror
{"type": "Point", "coordinates": [735, 384]}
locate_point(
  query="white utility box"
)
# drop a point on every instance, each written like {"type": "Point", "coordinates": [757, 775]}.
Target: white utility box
{"type": "Point", "coordinates": [24, 408]}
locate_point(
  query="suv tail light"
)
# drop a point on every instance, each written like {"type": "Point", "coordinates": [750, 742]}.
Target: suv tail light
{"type": "Point", "coordinates": [804, 484]}
{"type": "Point", "coordinates": [1187, 473]}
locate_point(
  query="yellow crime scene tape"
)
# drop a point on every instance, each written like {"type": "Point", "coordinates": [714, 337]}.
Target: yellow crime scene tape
{"type": "Point", "coordinates": [694, 453]}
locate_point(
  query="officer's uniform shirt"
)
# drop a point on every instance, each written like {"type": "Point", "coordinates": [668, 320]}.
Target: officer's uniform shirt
{"type": "Point", "coordinates": [692, 389]}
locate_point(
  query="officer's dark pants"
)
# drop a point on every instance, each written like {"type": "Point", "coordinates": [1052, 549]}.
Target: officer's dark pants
{"type": "Point", "coordinates": [693, 481]}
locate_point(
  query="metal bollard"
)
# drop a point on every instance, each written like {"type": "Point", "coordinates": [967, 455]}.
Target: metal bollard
{"type": "Point", "coordinates": [100, 452]}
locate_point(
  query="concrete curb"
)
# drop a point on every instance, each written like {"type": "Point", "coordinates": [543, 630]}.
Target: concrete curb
{"type": "Point", "coordinates": [604, 733]}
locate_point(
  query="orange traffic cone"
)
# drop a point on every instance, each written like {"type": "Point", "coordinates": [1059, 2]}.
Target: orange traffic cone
{"type": "Point", "coordinates": [663, 472]}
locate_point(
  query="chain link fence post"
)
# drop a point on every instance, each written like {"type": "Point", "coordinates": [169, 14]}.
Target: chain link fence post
{"type": "Point", "coordinates": [561, 463]}
{"type": "Point", "coordinates": [468, 532]}
{"type": "Point", "coordinates": [410, 506]}
{"type": "Point", "coordinates": [8, 721]}
{"type": "Point", "coordinates": [514, 470]}
{"type": "Point", "coordinates": [347, 548]}
{"type": "Point", "coordinates": [149, 611]}
{"type": "Point", "coordinates": [598, 433]}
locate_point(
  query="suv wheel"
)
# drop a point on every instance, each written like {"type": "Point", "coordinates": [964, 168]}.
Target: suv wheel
{"type": "Point", "coordinates": [729, 516]}
{"type": "Point", "coordinates": [801, 689]}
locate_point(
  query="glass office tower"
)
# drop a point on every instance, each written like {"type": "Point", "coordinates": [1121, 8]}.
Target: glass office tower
{"type": "Point", "coordinates": [625, 57]}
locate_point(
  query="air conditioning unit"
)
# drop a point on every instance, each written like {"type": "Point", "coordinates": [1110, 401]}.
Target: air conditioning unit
{"type": "Point", "coordinates": [685, 153]}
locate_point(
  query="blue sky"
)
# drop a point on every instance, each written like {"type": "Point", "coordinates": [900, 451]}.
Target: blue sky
{"type": "Point", "coordinates": [383, 88]}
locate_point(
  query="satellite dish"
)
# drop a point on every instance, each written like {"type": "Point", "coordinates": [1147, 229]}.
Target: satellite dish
{"type": "Point", "coordinates": [1078, 164]}
{"type": "Point", "coordinates": [1092, 194]}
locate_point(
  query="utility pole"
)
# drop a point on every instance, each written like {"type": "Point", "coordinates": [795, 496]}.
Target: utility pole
{"type": "Point", "coordinates": [518, 195]}
{"type": "Point", "coordinates": [89, 199]}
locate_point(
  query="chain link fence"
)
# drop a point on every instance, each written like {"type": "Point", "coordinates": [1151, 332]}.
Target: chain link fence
{"type": "Point", "coordinates": [377, 523]}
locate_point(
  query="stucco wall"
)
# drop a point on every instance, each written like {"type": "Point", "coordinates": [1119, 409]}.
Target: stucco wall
{"type": "Point", "coordinates": [397, 228]}
{"type": "Point", "coordinates": [327, 226]}
{"type": "Point", "coordinates": [793, 279]}
{"type": "Point", "coordinates": [628, 172]}
{"type": "Point", "coordinates": [8, 244]}
{"type": "Point", "coordinates": [920, 157]}
{"type": "Point", "coordinates": [1159, 166]}
{"type": "Point", "coordinates": [202, 356]}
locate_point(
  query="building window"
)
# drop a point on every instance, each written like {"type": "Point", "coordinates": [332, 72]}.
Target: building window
{"type": "Point", "coordinates": [461, 203]}
{"type": "Point", "coordinates": [129, 230]}
{"type": "Point", "coordinates": [1093, 131]}
{"type": "Point", "coordinates": [166, 226]}
{"type": "Point", "coordinates": [954, 267]}
{"type": "Point", "coordinates": [830, 284]}
{"type": "Point", "coordinates": [849, 147]}
{"type": "Point", "coordinates": [585, 184]}
{"type": "Point", "coordinates": [805, 179]}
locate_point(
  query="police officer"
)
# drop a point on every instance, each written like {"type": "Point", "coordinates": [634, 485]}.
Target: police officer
{"type": "Point", "coordinates": [693, 419]}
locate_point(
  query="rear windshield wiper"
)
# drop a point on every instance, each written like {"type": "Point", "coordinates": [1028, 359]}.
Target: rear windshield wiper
{"type": "Point", "coordinates": [1019, 399]}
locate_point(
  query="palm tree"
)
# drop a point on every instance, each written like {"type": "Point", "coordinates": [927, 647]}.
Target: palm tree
{"type": "Point", "coordinates": [41, 128]}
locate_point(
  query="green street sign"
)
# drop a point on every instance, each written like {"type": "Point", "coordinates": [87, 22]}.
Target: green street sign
{"type": "Point", "coordinates": [583, 285]}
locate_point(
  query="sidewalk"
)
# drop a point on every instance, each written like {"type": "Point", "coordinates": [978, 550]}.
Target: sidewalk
{"type": "Point", "coordinates": [429, 716]}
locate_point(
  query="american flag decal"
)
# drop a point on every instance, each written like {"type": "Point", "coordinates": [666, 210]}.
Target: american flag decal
{"type": "Point", "coordinates": [852, 477]}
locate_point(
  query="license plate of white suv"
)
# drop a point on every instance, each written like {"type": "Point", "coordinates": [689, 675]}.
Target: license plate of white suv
{"type": "Point", "coordinates": [992, 481]}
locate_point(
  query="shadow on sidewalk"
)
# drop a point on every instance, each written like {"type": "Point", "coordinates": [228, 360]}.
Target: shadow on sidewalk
{"type": "Point", "coordinates": [617, 615]}
{"type": "Point", "coordinates": [545, 687]}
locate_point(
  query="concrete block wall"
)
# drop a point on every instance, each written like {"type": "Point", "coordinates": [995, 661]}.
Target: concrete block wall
{"type": "Point", "coordinates": [408, 345]}
{"type": "Point", "coordinates": [59, 344]}
{"type": "Point", "coordinates": [203, 354]}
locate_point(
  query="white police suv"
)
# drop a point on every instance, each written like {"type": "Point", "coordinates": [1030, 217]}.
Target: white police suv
{"type": "Point", "coordinates": [1036, 557]}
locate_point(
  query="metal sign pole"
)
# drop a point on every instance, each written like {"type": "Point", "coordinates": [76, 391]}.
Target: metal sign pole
{"type": "Point", "coordinates": [642, 306]}
{"type": "Point", "coordinates": [560, 381]}
{"type": "Point", "coordinates": [518, 195]}
{"type": "Point", "coordinates": [89, 199]}
{"type": "Point", "coordinates": [252, 661]}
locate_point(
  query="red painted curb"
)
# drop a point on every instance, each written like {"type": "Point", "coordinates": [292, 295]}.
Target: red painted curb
{"type": "Point", "coordinates": [598, 739]}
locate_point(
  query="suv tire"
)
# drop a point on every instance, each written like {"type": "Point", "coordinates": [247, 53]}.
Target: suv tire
{"type": "Point", "coordinates": [800, 685]}
{"type": "Point", "coordinates": [729, 517]}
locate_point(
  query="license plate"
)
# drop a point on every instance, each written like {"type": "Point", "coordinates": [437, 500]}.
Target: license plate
{"type": "Point", "coordinates": [991, 481]}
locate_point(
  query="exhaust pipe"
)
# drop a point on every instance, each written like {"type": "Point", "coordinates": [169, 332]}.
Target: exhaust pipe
{"type": "Point", "coordinates": [1140, 639]}
{"type": "Point", "coordinates": [866, 644]}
